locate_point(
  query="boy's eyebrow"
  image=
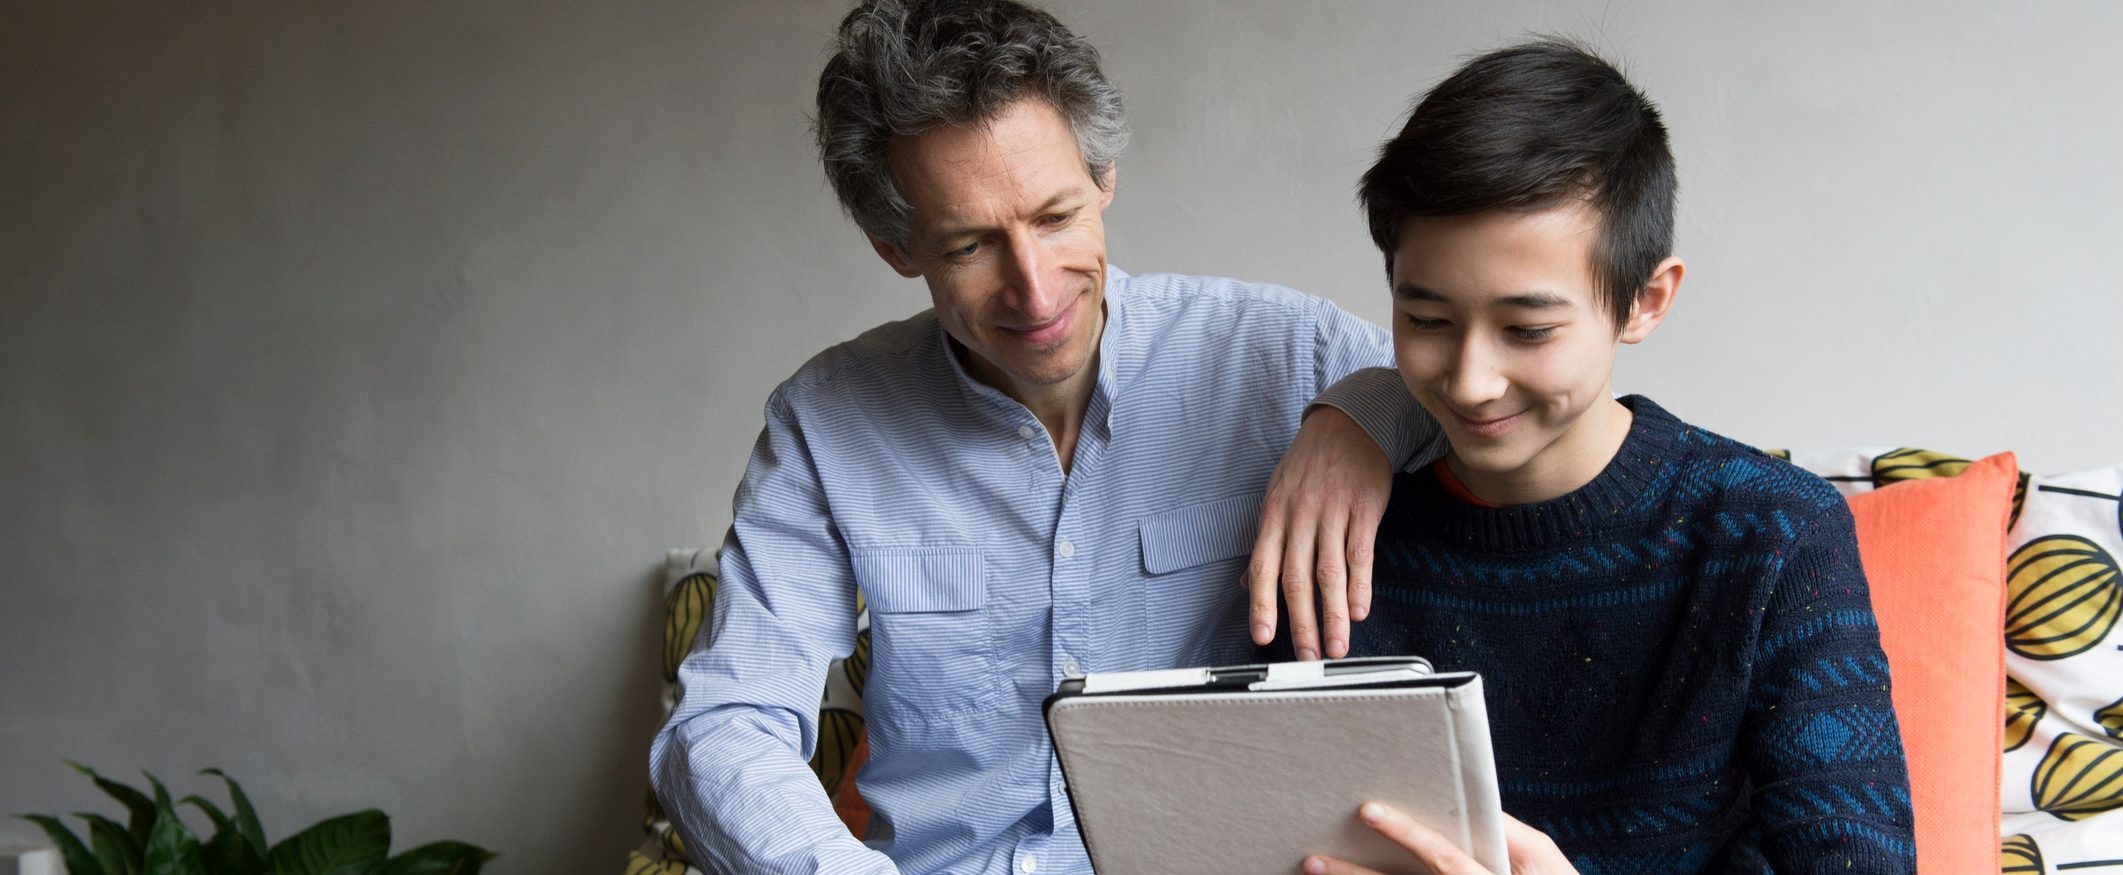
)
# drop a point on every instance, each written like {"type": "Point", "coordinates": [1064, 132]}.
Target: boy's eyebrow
{"type": "Point", "coordinates": [1413, 292]}
{"type": "Point", "coordinates": [1535, 301]}
{"type": "Point", "coordinates": [1522, 300]}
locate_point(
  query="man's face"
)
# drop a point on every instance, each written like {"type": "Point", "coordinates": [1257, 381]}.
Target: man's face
{"type": "Point", "coordinates": [1499, 335]}
{"type": "Point", "coordinates": [1008, 231]}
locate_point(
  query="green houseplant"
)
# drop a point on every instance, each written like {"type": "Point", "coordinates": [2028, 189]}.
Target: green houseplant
{"type": "Point", "coordinates": [153, 841]}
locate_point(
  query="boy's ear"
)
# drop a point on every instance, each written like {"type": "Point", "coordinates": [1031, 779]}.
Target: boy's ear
{"type": "Point", "coordinates": [895, 256]}
{"type": "Point", "coordinates": [1654, 300]}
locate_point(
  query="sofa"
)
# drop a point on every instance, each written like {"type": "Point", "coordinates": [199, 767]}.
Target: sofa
{"type": "Point", "coordinates": [1998, 593]}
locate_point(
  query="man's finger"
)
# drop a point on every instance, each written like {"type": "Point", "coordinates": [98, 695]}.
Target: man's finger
{"type": "Point", "coordinates": [1297, 588]}
{"type": "Point", "coordinates": [1363, 536]}
{"type": "Point", "coordinates": [1333, 581]}
{"type": "Point", "coordinates": [1262, 574]}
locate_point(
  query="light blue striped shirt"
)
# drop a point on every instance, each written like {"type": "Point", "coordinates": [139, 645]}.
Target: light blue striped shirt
{"type": "Point", "coordinates": [885, 469]}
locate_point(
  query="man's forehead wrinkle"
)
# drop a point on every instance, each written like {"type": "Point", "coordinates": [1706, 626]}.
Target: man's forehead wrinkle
{"type": "Point", "coordinates": [970, 202]}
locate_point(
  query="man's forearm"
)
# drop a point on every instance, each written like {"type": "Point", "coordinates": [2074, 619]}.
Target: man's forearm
{"type": "Point", "coordinates": [744, 802]}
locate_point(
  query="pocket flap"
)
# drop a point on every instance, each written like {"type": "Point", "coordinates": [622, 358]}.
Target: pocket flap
{"type": "Point", "coordinates": [1197, 533]}
{"type": "Point", "coordinates": [900, 580]}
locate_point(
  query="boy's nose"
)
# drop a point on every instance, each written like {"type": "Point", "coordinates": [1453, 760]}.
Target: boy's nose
{"type": "Point", "coordinates": [1475, 379]}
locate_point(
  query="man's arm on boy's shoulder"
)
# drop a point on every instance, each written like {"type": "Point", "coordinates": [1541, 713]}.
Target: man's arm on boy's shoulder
{"type": "Point", "coordinates": [1831, 785]}
{"type": "Point", "coordinates": [730, 765]}
{"type": "Point", "coordinates": [1320, 517]}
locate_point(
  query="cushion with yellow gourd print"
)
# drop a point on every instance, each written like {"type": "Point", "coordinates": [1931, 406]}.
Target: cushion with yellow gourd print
{"type": "Point", "coordinates": [691, 577]}
{"type": "Point", "coordinates": [2062, 780]}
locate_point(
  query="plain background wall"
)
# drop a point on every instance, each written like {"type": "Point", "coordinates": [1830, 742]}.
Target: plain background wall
{"type": "Point", "coordinates": [358, 361]}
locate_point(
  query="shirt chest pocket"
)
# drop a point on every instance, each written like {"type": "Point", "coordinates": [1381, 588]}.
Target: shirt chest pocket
{"type": "Point", "coordinates": [1194, 607]}
{"type": "Point", "coordinates": [932, 652]}
{"type": "Point", "coordinates": [1199, 534]}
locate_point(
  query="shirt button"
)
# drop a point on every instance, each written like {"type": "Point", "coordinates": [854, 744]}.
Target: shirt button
{"type": "Point", "coordinates": [1024, 431]}
{"type": "Point", "coordinates": [1067, 549]}
{"type": "Point", "coordinates": [1028, 865]}
{"type": "Point", "coordinates": [1071, 668]}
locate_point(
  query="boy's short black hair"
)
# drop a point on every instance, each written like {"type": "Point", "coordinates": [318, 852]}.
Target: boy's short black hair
{"type": "Point", "coordinates": [1526, 128]}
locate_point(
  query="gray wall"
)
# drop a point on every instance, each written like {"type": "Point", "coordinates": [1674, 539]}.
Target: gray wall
{"type": "Point", "coordinates": [359, 360]}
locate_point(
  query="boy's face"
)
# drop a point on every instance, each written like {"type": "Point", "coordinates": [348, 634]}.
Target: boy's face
{"type": "Point", "coordinates": [1498, 333]}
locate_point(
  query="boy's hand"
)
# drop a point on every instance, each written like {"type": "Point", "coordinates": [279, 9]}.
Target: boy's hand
{"type": "Point", "coordinates": [1318, 522]}
{"type": "Point", "coordinates": [1531, 852]}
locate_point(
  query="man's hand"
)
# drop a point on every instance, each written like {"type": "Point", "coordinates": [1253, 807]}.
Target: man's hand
{"type": "Point", "coordinates": [1531, 852]}
{"type": "Point", "coordinates": [1317, 523]}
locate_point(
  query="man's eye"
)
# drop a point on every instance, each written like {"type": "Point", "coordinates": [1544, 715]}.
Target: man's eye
{"type": "Point", "coordinates": [1057, 219]}
{"type": "Point", "coordinates": [965, 251]}
{"type": "Point", "coordinates": [1533, 333]}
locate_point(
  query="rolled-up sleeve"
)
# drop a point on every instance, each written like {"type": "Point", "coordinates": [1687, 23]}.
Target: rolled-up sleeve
{"type": "Point", "coordinates": [730, 765]}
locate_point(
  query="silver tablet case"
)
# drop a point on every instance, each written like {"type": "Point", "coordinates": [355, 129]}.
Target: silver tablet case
{"type": "Point", "coordinates": [1233, 782]}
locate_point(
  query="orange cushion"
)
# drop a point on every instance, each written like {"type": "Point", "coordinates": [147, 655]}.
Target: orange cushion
{"type": "Point", "coordinates": [1934, 554]}
{"type": "Point", "coordinates": [849, 804]}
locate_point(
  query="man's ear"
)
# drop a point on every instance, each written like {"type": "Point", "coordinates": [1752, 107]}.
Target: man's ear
{"type": "Point", "coordinates": [1106, 184]}
{"type": "Point", "coordinates": [895, 256]}
{"type": "Point", "coordinates": [1654, 300]}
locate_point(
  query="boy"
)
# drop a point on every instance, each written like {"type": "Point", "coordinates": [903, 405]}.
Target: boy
{"type": "Point", "coordinates": [1682, 667]}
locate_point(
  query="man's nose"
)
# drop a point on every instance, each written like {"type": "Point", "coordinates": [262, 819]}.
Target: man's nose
{"type": "Point", "coordinates": [1036, 293]}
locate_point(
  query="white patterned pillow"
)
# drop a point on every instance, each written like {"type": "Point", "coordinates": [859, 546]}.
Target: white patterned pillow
{"type": "Point", "coordinates": [2063, 757]}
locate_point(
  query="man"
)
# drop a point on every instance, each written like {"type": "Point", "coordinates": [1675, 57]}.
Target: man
{"type": "Point", "coordinates": [1056, 470]}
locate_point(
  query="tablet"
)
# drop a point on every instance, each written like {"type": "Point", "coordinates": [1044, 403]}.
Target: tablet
{"type": "Point", "coordinates": [1250, 768]}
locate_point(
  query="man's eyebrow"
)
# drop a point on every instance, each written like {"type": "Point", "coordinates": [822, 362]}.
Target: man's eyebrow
{"type": "Point", "coordinates": [1060, 198]}
{"type": "Point", "coordinates": [1067, 195]}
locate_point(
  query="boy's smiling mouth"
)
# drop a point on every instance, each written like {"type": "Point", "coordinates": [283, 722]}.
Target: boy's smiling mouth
{"type": "Point", "coordinates": [1490, 427]}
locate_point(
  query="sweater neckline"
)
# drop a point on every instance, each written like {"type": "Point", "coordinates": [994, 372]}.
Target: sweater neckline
{"type": "Point", "coordinates": [1611, 499]}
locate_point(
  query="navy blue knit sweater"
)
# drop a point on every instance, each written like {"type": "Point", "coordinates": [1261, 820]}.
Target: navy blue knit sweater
{"type": "Point", "coordinates": [1680, 659]}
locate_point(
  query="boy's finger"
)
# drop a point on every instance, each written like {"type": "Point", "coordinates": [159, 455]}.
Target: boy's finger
{"type": "Point", "coordinates": [1323, 865]}
{"type": "Point", "coordinates": [1431, 848]}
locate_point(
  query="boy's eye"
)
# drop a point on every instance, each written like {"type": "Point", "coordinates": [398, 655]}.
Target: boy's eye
{"type": "Point", "coordinates": [1421, 324]}
{"type": "Point", "coordinates": [1533, 333]}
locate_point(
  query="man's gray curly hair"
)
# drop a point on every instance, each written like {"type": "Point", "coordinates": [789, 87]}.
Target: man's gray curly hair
{"type": "Point", "coordinates": [901, 67]}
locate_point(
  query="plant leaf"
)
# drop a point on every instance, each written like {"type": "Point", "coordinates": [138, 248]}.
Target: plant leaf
{"type": "Point", "coordinates": [140, 809]}
{"type": "Point", "coordinates": [78, 860]}
{"type": "Point", "coordinates": [440, 858]}
{"type": "Point", "coordinates": [246, 816]}
{"type": "Point", "coordinates": [222, 823]}
{"type": "Point", "coordinates": [345, 845]}
{"type": "Point", "coordinates": [228, 853]}
{"type": "Point", "coordinates": [114, 846]}
{"type": "Point", "coordinates": [171, 847]}
{"type": "Point", "coordinates": [162, 796]}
